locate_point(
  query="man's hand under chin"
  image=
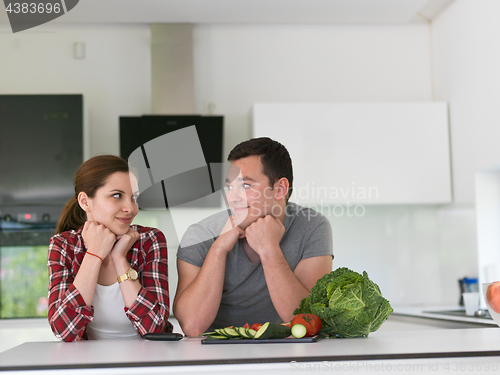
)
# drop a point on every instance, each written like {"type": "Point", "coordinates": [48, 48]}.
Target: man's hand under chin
{"type": "Point", "coordinates": [264, 235]}
{"type": "Point", "coordinates": [229, 235]}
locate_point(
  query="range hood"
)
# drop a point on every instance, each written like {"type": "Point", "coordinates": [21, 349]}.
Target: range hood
{"type": "Point", "coordinates": [172, 71]}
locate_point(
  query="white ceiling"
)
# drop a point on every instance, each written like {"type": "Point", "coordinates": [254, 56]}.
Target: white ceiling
{"type": "Point", "coordinates": [252, 11]}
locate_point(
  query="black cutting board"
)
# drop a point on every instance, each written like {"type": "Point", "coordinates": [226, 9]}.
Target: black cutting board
{"type": "Point", "coordinates": [260, 341]}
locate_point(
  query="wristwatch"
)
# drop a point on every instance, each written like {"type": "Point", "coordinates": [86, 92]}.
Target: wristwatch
{"type": "Point", "coordinates": [131, 275]}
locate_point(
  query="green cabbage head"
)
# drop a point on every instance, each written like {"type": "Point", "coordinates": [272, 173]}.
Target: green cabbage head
{"type": "Point", "coordinates": [348, 304]}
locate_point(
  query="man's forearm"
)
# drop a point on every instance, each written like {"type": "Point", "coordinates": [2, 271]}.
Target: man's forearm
{"type": "Point", "coordinates": [197, 305]}
{"type": "Point", "coordinates": [285, 289]}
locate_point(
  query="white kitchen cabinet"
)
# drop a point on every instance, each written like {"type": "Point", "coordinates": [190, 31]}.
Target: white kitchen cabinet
{"type": "Point", "coordinates": [363, 153]}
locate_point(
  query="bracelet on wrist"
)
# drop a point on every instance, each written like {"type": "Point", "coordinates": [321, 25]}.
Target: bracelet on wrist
{"type": "Point", "coordinates": [97, 256]}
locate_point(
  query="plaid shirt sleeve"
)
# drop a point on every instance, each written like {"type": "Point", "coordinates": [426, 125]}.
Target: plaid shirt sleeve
{"type": "Point", "coordinates": [150, 311]}
{"type": "Point", "coordinates": [68, 314]}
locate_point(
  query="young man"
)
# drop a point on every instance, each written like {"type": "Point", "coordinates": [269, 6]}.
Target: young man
{"type": "Point", "coordinates": [264, 260]}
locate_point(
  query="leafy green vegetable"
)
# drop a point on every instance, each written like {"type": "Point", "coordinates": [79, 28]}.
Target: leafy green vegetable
{"type": "Point", "coordinates": [348, 304]}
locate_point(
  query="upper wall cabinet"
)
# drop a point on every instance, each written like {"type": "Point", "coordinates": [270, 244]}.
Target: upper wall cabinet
{"type": "Point", "coordinates": [362, 153]}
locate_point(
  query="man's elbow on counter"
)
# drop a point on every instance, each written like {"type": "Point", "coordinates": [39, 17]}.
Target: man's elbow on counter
{"type": "Point", "coordinates": [191, 330]}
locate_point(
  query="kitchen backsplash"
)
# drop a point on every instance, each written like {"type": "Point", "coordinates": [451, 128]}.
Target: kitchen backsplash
{"type": "Point", "coordinates": [416, 254]}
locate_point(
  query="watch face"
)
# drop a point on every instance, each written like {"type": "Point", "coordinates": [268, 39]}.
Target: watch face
{"type": "Point", "coordinates": [133, 274]}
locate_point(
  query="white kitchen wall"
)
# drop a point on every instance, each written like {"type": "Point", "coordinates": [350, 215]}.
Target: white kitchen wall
{"type": "Point", "coordinates": [415, 253]}
{"type": "Point", "coordinates": [238, 65]}
{"type": "Point", "coordinates": [466, 60]}
{"type": "Point", "coordinates": [466, 56]}
{"type": "Point", "coordinates": [114, 77]}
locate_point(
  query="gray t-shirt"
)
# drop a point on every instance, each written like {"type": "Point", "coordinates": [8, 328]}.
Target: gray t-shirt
{"type": "Point", "coordinates": [245, 297]}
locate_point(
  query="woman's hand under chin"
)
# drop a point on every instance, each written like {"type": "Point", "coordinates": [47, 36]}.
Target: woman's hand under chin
{"type": "Point", "coordinates": [98, 239]}
{"type": "Point", "coordinates": [124, 243]}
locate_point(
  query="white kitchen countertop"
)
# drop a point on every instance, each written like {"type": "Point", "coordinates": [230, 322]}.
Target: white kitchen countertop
{"type": "Point", "coordinates": [379, 346]}
{"type": "Point", "coordinates": [432, 312]}
{"type": "Point", "coordinates": [413, 347]}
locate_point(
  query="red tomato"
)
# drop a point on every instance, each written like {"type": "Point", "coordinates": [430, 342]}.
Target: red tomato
{"type": "Point", "coordinates": [256, 326]}
{"type": "Point", "coordinates": [493, 296]}
{"type": "Point", "coordinates": [310, 321]}
{"type": "Point", "coordinates": [246, 325]}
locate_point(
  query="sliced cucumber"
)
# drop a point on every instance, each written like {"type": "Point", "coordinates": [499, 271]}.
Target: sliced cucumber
{"type": "Point", "coordinates": [231, 332]}
{"type": "Point", "coordinates": [243, 333]}
{"type": "Point", "coordinates": [217, 337]}
{"type": "Point", "coordinates": [209, 334]}
{"type": "Point", "coordinates": [221, 332]}
{"type": "Point", "coordinates": [251, 332]}
{"type": "Point", "coordinates": [299, 331]}
{"type": "Point", "coordinates": [267, 331]}
{"type": "Point", "coordinates": [273, 331]}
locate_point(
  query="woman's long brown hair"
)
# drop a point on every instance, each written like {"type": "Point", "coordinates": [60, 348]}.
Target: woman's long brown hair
{"type": "Point", "coordinates": [91, 175]}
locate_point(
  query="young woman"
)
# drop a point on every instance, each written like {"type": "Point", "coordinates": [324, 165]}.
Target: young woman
{"type": "Point", "coordinates": [107, 278]}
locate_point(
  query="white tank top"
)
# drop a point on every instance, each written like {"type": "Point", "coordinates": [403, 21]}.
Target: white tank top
{"type": "Point", "coordinates": [110, 321]}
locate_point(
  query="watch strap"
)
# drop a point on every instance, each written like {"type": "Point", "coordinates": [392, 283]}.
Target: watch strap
{"type": "Point", "coordinates": [131, 274]}
{"type": "Point", "coordinates": [122, 278]}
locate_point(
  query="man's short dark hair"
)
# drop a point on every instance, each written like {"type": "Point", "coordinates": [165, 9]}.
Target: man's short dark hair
{"type": "Point", "coordinates": [275, 159]}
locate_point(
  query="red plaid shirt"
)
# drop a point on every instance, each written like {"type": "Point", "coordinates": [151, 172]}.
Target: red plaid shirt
{"type": "Point", "coordinates": [68, 313]}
